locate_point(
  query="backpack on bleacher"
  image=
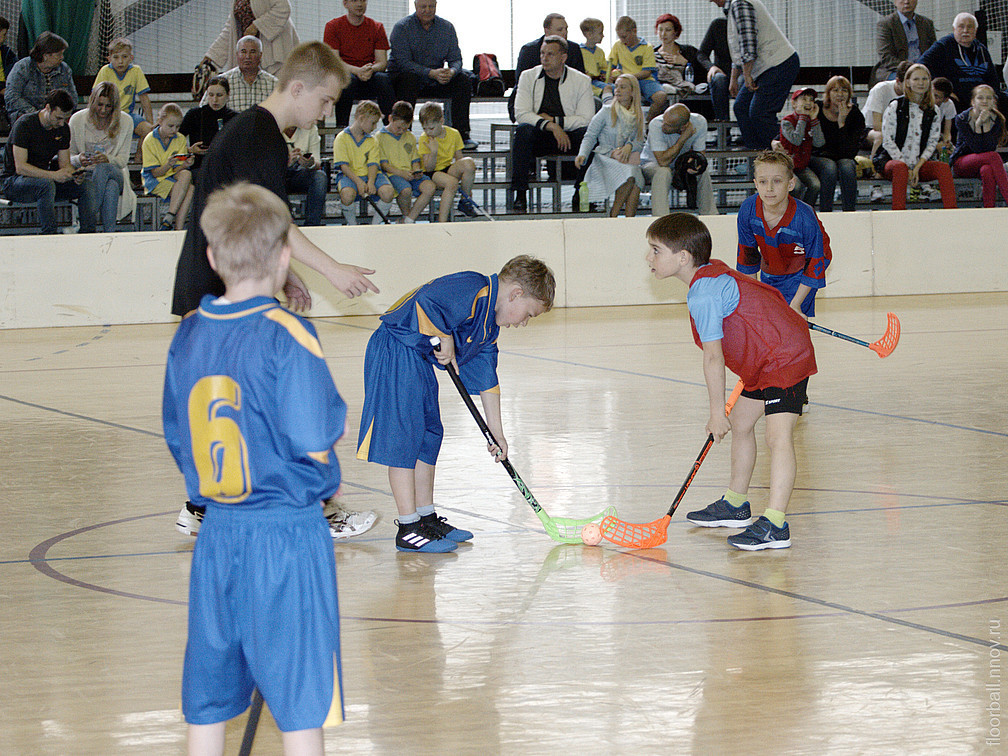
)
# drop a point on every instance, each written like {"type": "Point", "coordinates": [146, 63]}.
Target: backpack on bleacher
{"type": "Point", "coordinates": [488, 76]}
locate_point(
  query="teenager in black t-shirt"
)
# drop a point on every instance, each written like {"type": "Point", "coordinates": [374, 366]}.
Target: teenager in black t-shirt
{"type": "Point", "coordinates": [252, 148]}
{"type": "Point", "coordinates": [37, 166]}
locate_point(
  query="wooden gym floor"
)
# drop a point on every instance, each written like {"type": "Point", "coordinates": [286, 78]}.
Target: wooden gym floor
{"type": "Point", "coordinates": [881, 631]}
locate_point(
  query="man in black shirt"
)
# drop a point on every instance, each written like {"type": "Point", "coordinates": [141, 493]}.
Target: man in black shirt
{"type": "Point", "coordinates": [37, 166]}
{"type": "Point", "coordinates": [715, 42]}
{"type": "Point", "coordinates": [553, 106]}
{"type": "Point", "coordinates": [554, 25]}
{"type": "Point", "coordinates": [252, 148]}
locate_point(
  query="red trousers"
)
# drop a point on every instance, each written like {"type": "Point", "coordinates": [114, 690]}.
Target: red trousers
{"type": "Point", "coordinates": [899, 173]}
{"type": "Point", "coordinates": [990, 169]}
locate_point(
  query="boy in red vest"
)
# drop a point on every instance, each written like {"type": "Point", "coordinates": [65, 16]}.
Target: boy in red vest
{"type": "Point", "coordinates": [746, 326]}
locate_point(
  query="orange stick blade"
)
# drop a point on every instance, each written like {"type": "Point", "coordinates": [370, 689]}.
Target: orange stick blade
{"type": "Point", "coordinates": [634, 535]}
{"type": "Point", "coordinates": [885, 346]}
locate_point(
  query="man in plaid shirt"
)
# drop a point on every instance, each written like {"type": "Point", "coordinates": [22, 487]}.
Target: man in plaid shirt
{"type": "Point", "coordinates": [769, 65]}
{"type": "Point", "coordinates": [250, 84]}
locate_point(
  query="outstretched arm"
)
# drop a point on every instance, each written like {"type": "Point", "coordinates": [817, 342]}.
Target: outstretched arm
{"type": "Point", "coordinates": [351, 280]}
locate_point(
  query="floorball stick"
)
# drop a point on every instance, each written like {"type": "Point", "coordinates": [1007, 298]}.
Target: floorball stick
{"type": "Point", "coordinates": [650, 534]}
{"type": "Point", "coordinates": [381, 215]}
{"type": "Point", "coordinates": [561, 529]}
{"type": "Point", "coordinates": [883, 347]}
{"type": "Point", "coordinates": [478, 207]}
{"type": "Point", "coordinates": [255, 710]}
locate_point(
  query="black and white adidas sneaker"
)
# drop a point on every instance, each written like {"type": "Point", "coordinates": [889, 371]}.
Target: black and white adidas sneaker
{"type": "Point", "coordinates": [418, 536]}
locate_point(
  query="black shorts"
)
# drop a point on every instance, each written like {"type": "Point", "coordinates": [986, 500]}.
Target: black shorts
{"type": "Point", "coordinates": [781, 399]}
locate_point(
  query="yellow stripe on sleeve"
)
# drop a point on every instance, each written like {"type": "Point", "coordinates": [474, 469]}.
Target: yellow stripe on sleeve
{"type": "Point", "coordinates": [296, 329]}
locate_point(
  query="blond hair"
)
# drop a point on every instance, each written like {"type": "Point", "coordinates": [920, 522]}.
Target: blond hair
{"type": "Point", "coordinates": [430, 111]}
{"type": "Point", "coordinates": [111, 91]}
{"type": "Point", "coordinates": [592, 24]}
{"type": "Point", "coordinates": [625, 23]}
{"type": "Point", "coordinates": [775, 157]}
{"type": "Point", "coordinates": [312, 63]}
{"type": "Point", "coordinates": [635, 106]}
{"type": "Point", "coordinates": [368, 108]}
{"type": "Point", "coordinates": [118, 44]}
{"type": "Point", "coordinates": [927, 99]}
{"type": "Point", "coordinates": [169, 109]}
{"type": "Point", "coordinates": [534, 277]}
{"type": "Point", "coordinates": [246, 227]}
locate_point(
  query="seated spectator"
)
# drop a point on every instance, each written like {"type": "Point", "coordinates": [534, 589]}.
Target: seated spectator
{"type": "Point", "coordinates": [200, 125]}
{"type": "Point", "coordinates": [400, 161]}
{"type": "Point", "coordinates": [266, 20]}
{"type": "Point", "coordinates": [632, 55]}
{"type": "Point", "coordinates": [768, 64]}
{"type": "Point", "coordinates": [901, 36]}
{"type": "Point", "coordinates": [355, 156]}
{"type": "Point", "coordinates": [442, 160]}
{"type": "Point", "coordinates": [671, 137]}
{"type": "Point", "coordinates": [596, 63]}
{"type": "Point", "coordinates": [37, 168]}
{"type": "Point", "coordinates": [554, 25]}
{"type": "Point", "coordinates": [427, 61]}
{"type": "Point", "coordinates": [980, 131]}
{"type": "Point", "coordinates": [878, 99]}
{"type": "Point", "coordinates": [363, 46]}
{"type": "Point", "coordinates": [7, 61]}
{"type": "Point", "coordinates": [132, 86]}
{"type": "Point", "coordinates": [100, 140]}
{"type": "Point", "coordinates": [249, 83]}
{"type": "Point", "coordinates": [616, 135]}
{"type": "Point", "coordinates": [944, 99]}
{"type": "Point", "coordinates": [800, 133]}
{"type": "Point", "coordinates": [843, 129]}
{"type": "Point", "coordinates": [964, 60]}
{"type": "Point", "coordinates": [679, 67]}
{"type": "Point", "coordinates": [911, 126]}
{"type": "Point", "coordinates": [304, 172]}
{"type": "Point", "coordinates": [553, 107]}
{"type": "Point", "coordinates": [33, 78]}
{"type": "Point", "coordinates": [166, 164]}
{"type": "Point", "coordinates": [715, 42]}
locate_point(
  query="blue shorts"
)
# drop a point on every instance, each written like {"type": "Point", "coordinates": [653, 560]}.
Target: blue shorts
{"type": "Point", "coordinates": [138, 118]}
{"type": "Point", "coordinates": [263, 613]}
{"type": "Point", "coordinates": [346, 182]}
{"type": "Point", "coordinates": [399, 183]}
{"type": "Point", "coordinates": [401, 420]}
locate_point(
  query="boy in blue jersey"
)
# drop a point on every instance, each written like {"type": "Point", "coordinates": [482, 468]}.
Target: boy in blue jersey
{"type": "Point", "coordinates": [401, 422]}
{"type": "Point", "coordinates": [781, 238]}
{"type": "Point", "coordinates": [252, 417]}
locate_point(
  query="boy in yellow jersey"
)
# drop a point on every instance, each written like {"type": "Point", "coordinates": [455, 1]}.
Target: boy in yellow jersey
{"type": "Point", "coordinates": [355, 155]}
{"type": "Point", "coordinates": [400, 161]}
{"type": "Point", "coordinates": [632, 55]}
{"type": "Point", "coordinates": [442, 159]}
{"type": "Point", "coordinates": [596, 64]}
{"type": "Point", "coordinates": [133, 88]}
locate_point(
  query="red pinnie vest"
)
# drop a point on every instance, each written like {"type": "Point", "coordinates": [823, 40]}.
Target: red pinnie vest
{"type": "Point", "coordinates": [765, 342]}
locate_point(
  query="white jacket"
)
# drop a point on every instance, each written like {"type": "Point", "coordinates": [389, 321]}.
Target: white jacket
{"type": "Point", "coordinates": [276, 31]}
{"type": "Point", "coordinates": [575, 96]}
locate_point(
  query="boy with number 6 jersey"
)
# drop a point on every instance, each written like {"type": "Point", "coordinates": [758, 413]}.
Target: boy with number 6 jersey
{"type": "Point", "coordinates": [401, 422]}
{"type": "Point", "coordinates": [252, 417]}
{"type": "Point", "coordinates": [746, 326]}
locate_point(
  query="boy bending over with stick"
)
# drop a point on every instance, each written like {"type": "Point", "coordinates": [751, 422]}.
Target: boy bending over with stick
{"type": "Point", "coordinates": [262, 591]}
{"type": "Point", "coordinates": [746, 326]}
{"type": "Point", "coordinates": [401, 421]}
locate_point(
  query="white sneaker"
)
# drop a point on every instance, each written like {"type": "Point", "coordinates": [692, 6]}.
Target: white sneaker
{"type": "Point", "coordinates": [876, 194]}
{"type": "Point", "coordinates": [345, 523]}
{"type": "Point", "coordinates": [189, 519]}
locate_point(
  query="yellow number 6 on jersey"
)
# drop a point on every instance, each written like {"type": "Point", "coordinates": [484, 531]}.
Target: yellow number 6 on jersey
{"type": "Point", "coordinates": [218, 447]}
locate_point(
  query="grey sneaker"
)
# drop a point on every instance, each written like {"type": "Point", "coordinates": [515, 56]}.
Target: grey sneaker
{"type": "Point", "coordinates": [721, 514]}
{"type": "Point", "coordinates": [762, 534]}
